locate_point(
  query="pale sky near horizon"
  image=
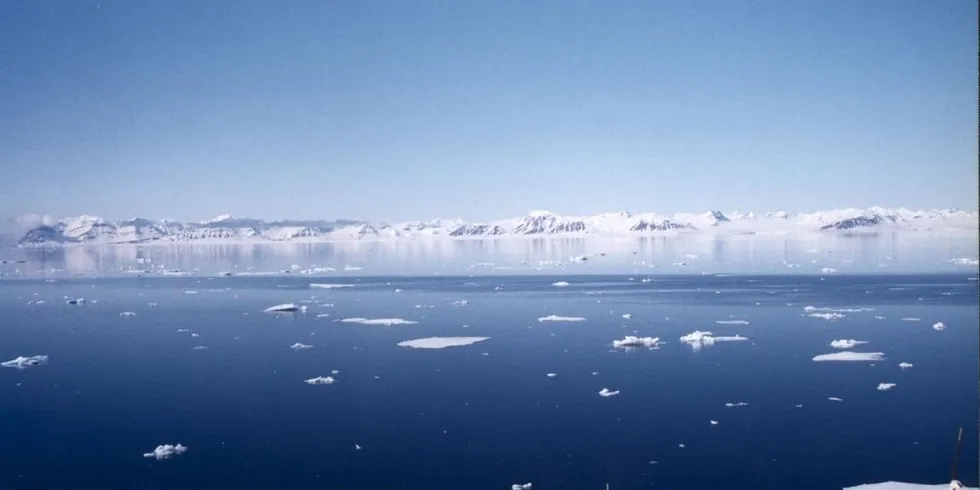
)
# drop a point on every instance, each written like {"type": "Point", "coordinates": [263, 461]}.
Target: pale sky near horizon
{"type": "Point", "coordinates": [484, 109]}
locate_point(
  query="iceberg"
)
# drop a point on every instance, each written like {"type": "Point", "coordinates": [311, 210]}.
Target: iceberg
{"type": "Point", "coordinates": [828, 316]}
{"type": "Point", "coordinates": [846, 343]}
{"type": "Point", "coordinates": [939, 326]}
{"type": "Point", "coordinates": [300, 346]}
{"type": "Point", "coordinates": [631, 341]}
{"type": "Point", "coordinates": [330, 286]}
{"type": "Point", "coordinates": [283, 308]}
{"type": "Point", "coordinates": [21, 362]}
{"type": "Point", "coordinates": [886, 386]}
{"type": "Point", "coordinates": [556, 318]}
{"type": "Point", "coordinates": [165, 451]}
{"type": "Point", "coordinates": [606, 393]}
{"type": "Point", "coordinates": [736, 404]}
{"type": "Point", "coordinates": [698, 339]}
{"type": "Point", "coordinates": [379, 321]}
{"type": "Point", "coordinates": [904, 365]}
{"type": "Point", "coordinates": [850, 356]}
{"type": "Point", "coordinates": [320, 380]}
{"type": "Point", "coordinates": [560, 284]}
{"type": "Point", "coordinates": [521, 486]}
{"type": "Point", "coordinates": [441, 342]}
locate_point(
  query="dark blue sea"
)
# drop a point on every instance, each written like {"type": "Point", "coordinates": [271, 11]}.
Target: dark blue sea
{"type": "Point", "coordinates": [486, 416]}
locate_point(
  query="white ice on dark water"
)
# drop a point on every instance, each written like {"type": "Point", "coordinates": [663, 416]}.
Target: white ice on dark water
{"type": "Point", "coordinates": [732, 322]}
{"type": "Point", "coordinates": [387, 322]}
{"type": "Point", "coordinates": [846, 343]}
{"type": "Point", "coordinates": [441, 342]}
{"type": "Point", "coordinates": [127, 314]}
{"type": "Point", "coordinates": [166, 451]}
{"type": "Point", "coordinates": [834, 399]}
{"type": "Point", "coordinates": [939, 326]}
{"type": "Point", "coordinates": [886, 386]}
{"type": "Point", "coordinates": [631, 341]}
{"type": "Point", "coordinates": [21, 362]}
{"type": "Point", "coordinates": [904, 365]}
{"type": "Point", "coordinates": [606, 392]}
{"type": "Point", "coordinates": [556, 318]}
{"type": "Point", "coordinates": [320, 380]}
{"type": "Point", "coordinates": [850, 356]}
{"type": "Point", "coordinates": [736, 404]}
{"type": "Point", "coordinates": [283, 308]}
{"type": "Point", "coordinates": [329, 286]}
{"type": "Point", "coordinates": [894, 485]}
{"type": "Point", "coordinates": [300, 346]}
{"type": "Point", "coordinates": [698, 339]}
{"type": "Point", "coordinates": [560, 284]}
{"type": "Point", "coordinates": [521, 486]}
{"type": "Point", "coordinates": [828, 316]}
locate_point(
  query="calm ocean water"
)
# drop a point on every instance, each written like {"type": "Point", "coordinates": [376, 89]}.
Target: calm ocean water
{"type": "Point", "coordinates": [486, 416]}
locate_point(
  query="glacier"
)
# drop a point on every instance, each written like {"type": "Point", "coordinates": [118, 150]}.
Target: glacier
{"type": "Point", "coordinates": [87, 229]}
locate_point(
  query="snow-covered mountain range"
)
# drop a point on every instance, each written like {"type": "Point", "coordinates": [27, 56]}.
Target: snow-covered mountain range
{"type": "Point", "coordinates": [225, 228]}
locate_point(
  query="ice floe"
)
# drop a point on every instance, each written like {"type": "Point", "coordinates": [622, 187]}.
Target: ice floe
{"type": "Point", "coordinates": [329, 286]}
{"type": "Point", "coordinates": [166, 451]}
{"type": "Point", "coordinates": [560, 284]}
{"type": "Point", "coordinates": [199, 347]}
{"type": "Point", "coordinates": [964, 261]}
{"type": "Point", "coordinates": [713, 422]}
{"type": "Point", "coordinates": [828, 270]}
{"type": "Point", "coordinates": [127, 314]}
{"type": "Point", "coordinates": [828, 316]}
{"type": "Point", "coordinates": [894, 485]}
{"type": "Point", "coordinates": [75, 301]}
{"type": "Point", "coordinates": [441, 342]}
{"type": "Point", "coordinates": [551, 375]}
{"type": "Point", "coordinates": [846, 343]}
{"type": "Point", "coordinates": [631, 341]}
{"type": "Point", "coordinates": [606, 392]}
{"type": "Point", "coordinates": [521, 486]}
{"type": "Point", "coordinates": [698, 339]}
{"type": "Point", "coordinates": [627, 316]}
{"type": "Point", "coordinates": [300, 346]}
{"type": "Point", "coordinates": [886, 386]}
{"type": "Point", "coordinates": [283, 308]}
{"type": "Point", "coordinates": [320, 380]}
{"type": "Point", "coordinates": [21, 362]}
{"type": "Point", "coordinates": [379, 321]}
{"type": "Point", "coordinates": [939, 326]}
{"type": "Point", "coordinates": [813, 309]}
{"type": "Point", "coordinates": [851, 356]}
{"type": "Point", "coordinates": [904, 365]}
{"type": "Point", "coordinates": [736, 404]}
{"type": "Point", "coordinates": [732, 322]}
{"type": "Point", "coordinates": [911, 319]}
{"type": "Point", "coordinates": [835, 399]}
{"type": "Point", "coordinates": [556, 318]}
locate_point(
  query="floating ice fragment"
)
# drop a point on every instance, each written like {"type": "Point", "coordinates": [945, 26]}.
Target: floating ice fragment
{"type": "Point", "coordinates": [441, 342]}
{"type": "Point", "coordinates": [713, 422]}
{"type": "Point", "coordinates": [127, 314]}
{"type": "Point", "coordinates": [520, 486]}
{"type": "Point", "coordinates": [631, 341]}
{"type": "Point", "coordinates": [75, 301]}
{"type": "Point", "coordinates": [698, 339]}
{"type": "Point", "coordinates": [828, 270]}
{"type": "Point", "coordinates": [335, 372]}
{"type": "Point", "coordinates": [939, 326]}
{"type": "Point", "coordinates": [165, 451]}
{"type": "Point", "coordinates": [911, 319]}
{"type": "Point", "coordinates": [894, 485]}
{"type": "Point", "coordinates": [460, 303]}
{"type": "Point", "coordinates": [732, 322]}
{"type": "Point", "coordinates": [357, 447]}
{"type": "Point", "coordinates": [627, 316]}
{"type": "Point", "coordinates": [199, 347]}
{"type": "Point", "coordinates": [885, 386]}
{"type": "Point", "coordinates": [320, 380]}
{"type": "Point", "coordinates": [556, 318]}
{"type": "Point", "coordinates": [551, 375]}
{"type": "Point", "coordinates": [560, 284]}
{"type": "Point", "coordinates": [904, 365]}
{"type": "Point", "coordinates": [183, 330]}
{"type": "Point", "coordinates": [283, 308]}
{"type": "Point", "coordinates": [329, 286]}
{"type": "Point", "coordinates": [834, 399]}
{"type": "Point", "coordinates": [846, 343]}
{"type": "Point", "coordinates": [812, 309]}
{"type": "Point", "coordinates": [300, 346]}
{"type": "Point", "coordinates": [851, 356]}
{"type": "Point", "coordinates": [736, 404]}
{"type": "Point", "coordinates": [606, 392]}
{"type": "Point", "coordinates": [828, 316]}
{"type": "Point", "coordinates": [964, 261]}
{"type": "Point", "coordinates": [21, 362]}
{"type": "Point", "coordinates": [379, 321]}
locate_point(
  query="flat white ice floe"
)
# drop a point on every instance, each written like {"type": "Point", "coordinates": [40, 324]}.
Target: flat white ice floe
{"type": "Point", "coordinates": [21, 362]}
{"type": "Point", "coordinates": [320, 380]}
{"type": "Point", "coordinates": [330, 286]}
{"type": "Point", "coordinates": [964, 261]}
{"type": "Point", "coordinates": [166, 451]}
{"type": "Point", "coordinates": [441, 342]}
{"type": "Point", "coordinates": [556, 318]}
{"type": "Point", "coordinates": [732, 322]}
{"type": "Point", "coordinates": [894, 485]}
{"type": "Point", "coordinates": [886, 386]}
{"type": "Point", "coordinates": [300, 346]}
{"type": "Point", "coordinates": [75, 301]}
{"type": "Point", "coordinates": [828, 270]}
{"type": "Point", "coordinates": [521, 486]}
{"type": "Point", "coordinates": [379, 321]}
{"type": "Point", "coordinates": [631, 341]}
{"type": "Point", "coordinates": [827, 316]}
{"type": "Point", "coordinates": [904, 365]}
{"type": "Point", "coordinates": [846, 343]}
{"type": "Point", "coordinates": [736, 404]}
{"type": "Point", "coordinates": [835, 399]}
{"type": "Point", "coordinates": [911, 319]}
{"type": "Point", "coordinates": [698, 339]}
{"type": "Point", "coordinates": [606, 392]}
{"type": "Point", "coordinates": [627, 316]}
{"type": "Point", "coordinates": [812, 309]}
{"type": "Point", "coordinates": [939, 326]}
{"type": "Point", "coordinates": [125, 314]}
{"type": "Point", "coordinates": [283, 308]}
{"type": "Point", "coordinates": [850, 356]}
{"type": "Point", "coordinates": [560, 284]}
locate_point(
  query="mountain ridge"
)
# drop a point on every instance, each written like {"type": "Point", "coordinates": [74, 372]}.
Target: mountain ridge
{"type": "Point", "coordinates": [87, 229]}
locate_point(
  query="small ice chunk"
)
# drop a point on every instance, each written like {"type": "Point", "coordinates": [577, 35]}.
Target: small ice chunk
{"type": "Point", "coordinates": [300, 346]}
{"type": "Point", "coordinates": [556, 318]}
{"type": "Point", "coordinates": [379, 321]}
{"type": "Point", "coordinates": [329, 286]}
{"type": "Point", "coordinates": [886, 386]}
{"type": "Point", "coordinates": [320, 380]}
{"type": "Point", "coordinates": [698, 339]}
{"type": "Point", "coordinates": [521, 486]}
{"type": "Point", "coordinates": [195, 335]}
{"type": "Point", "coordinates": [732, 322]}
{"type": "Point", "coordinates": [199, 347]}
{"type": "Point", "coordinates": [127, 314]}
{"type": "Point", "coordinates": [183, 330]}
{"type": "Point", "coordinates": [828, 316]}
{"type": "Point", "coordinates": [21, 362]}
{"type": "Point", "coordinates": [846, 343]}
{"type": "Point", "coordinates": [851, 356]}
{"type": "Point", "coordinates": [736, 404]}
{"type": "Point", "coordinates": [894, 485]}
{"type": "Point", "coordinates": [335, 372]}
{"type": "Point", "coordinates": [357, 447]}
{"type": "Point", "coordinates": [283, 308]}
{"type": "Point", "coordinates": [165, 451]}
{"type": "Point", "coordinates": [627, 316]}
{"type": "Point", "coordinates": [606, 392]}
{"type": "Point", "coordinates": [904, 365]}
{"type": "Point", "coordinates": [911, 319]}
{"type": "Point", "coordinates": [441, 342]}
{"type": "Point", "coordinates": [834, 399]}
{"type": "Point", "coordinates": [75, 301]}
{"type": "Point", "coordinates": [551, 375]}
{"type": "Point", "coordinates": [713, 422]}
{"type": "Point", "coordinates": [939, 326]}
{"type": "Point", "coordinates": [560, 284]}
{"type": "Point", "coordinates": [631, 341]}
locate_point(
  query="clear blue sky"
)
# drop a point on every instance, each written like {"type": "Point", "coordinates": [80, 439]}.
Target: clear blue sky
{"type": "Point", "coordinates": [484, 109]}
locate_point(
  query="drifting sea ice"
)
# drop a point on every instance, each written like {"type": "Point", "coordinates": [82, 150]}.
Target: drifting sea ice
{"type": "Point", "coordinates": [904, 365]}
{"type": "Point", "coordinates": [606, 392]}
{"type": "Point", "coordinates": [556, 318]}
{"type": "Point", "coordinates": [329, 286]}
{"type": "Point", "coordinates": [165, 451]}
{"type": "Point", "coordinates": [521, 486]}
{"type": "Point", "coordinates": [283, 308]}
{"type": "Point", "coordinates": [320, 380]}
{"type": "Point", "coordinates": [846, 343]}
{"type": "Point", "coordinates": [939, 326]}
{"type": "Point", "coordinates": [894, 485]}
{"type": "Point", "coordinates": [828, 316]}
{"type": "Point", "coordinates": [631, 341]}
{"type": "Point", "coordinates": [698, 339]}
{"type": "Point", "coordinates": [21, 362]}
{"type": "Point", "coordinates": [300, 346]}
{"type": "Point", "coordinates": [441, 342]}
{"type": "Point", "coordinates": [850, 356]}
{"type": "Point", "coordinates": [560, 284]}
{"type": "Point", "coordinates": [885, 386]}
{"type": "Point", "coordinates": [379, 321]}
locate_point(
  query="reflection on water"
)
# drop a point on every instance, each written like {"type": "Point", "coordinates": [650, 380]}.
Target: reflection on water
{"type": "Point", "coordinates": [690, 254]}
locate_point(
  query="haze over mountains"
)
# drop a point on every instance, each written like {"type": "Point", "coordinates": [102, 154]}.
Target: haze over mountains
{"type": "Point", "coordinates": [85, 229]}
